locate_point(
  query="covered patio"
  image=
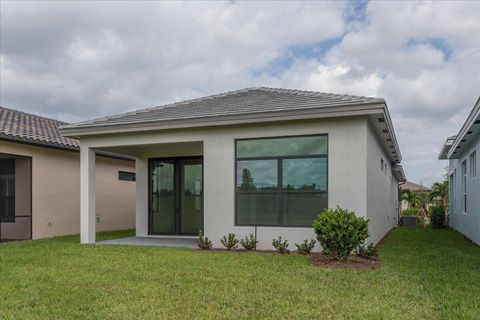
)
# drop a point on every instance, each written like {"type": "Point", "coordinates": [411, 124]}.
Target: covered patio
{"type": "Point", "coordinates": [169, 189]}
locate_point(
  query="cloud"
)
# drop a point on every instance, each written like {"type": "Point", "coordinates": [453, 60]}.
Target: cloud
{"type": "Point", "coordinates": [79, 60]}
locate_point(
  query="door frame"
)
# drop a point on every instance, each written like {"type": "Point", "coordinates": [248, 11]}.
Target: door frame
{"type": "Point", "coordinates": [177, 194]}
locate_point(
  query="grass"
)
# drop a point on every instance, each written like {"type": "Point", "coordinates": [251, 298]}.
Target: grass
{"type": "Point", "coordinates": [425, 273]}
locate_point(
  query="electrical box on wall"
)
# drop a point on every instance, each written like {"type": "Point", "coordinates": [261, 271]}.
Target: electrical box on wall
{"type": "Point", "coordinates": [98, 217]}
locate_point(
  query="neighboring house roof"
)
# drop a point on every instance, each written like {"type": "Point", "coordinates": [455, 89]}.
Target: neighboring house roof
{"type": "Point", "coordinates": [250, 105]}
{"type": "Point", "coordinates": [24, 127]}
{"type": "Point", "coordinates": [414, 187]}
{"type": "Point", "coordinates": [18, 126]}
{"type": "Point", "coordinates": [452, 149]}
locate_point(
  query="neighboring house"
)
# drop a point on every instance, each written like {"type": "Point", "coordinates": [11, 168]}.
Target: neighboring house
{"type": "Point", "coordinates": [463, 151]}
{"type": "Point", "coordinates": [271, 158]}
{"type": "Point", "coordinates": [40, 181]}
{"type": "Point", "coordinates": [417, 188]}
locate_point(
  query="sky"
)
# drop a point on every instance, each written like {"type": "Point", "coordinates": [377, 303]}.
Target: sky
{"type": "Point", "coordinates": [80, 60]}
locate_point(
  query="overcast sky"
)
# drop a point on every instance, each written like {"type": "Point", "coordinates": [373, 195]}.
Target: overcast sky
{"type": "Point", "coordinates": [79, 60]}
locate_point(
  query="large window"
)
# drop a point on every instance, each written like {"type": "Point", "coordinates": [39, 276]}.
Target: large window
{"type": "Point", "coordinates": [15, 197]}
{"type": "Point", "coordinates": [281, 181]}
{"type": "Point", "coordinates": [7, 190]}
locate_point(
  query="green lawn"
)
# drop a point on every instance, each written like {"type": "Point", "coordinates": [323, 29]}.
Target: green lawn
{"type": "Point", "coordinates": [425, 274]}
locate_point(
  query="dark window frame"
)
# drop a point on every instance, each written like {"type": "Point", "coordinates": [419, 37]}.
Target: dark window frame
{"type": "Point", "coordinates": [127, 176]}
{"type": "Point", "coordinates": [279, 191]}
{"type": "Point", "coordinates": [31, 196]}
{"type": "Point", "coordinates": [176, 187]}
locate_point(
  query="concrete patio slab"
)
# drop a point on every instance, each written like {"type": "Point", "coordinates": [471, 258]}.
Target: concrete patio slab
{"type": "Point", "coordinates": [153, 242]}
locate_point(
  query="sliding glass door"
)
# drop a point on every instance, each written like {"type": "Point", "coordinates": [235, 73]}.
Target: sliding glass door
{"type": "Point", "coordinates": [176, 196]}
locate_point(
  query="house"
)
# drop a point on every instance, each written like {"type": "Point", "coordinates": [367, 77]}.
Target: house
{"type": "Point", "coordinates": [40, 181]}
{"type": "Point", "coordinates": [415, 187]}
{"type": "Point", "coordinates": [461, 152]}
{"type": "Point", "coordinates": [254, 161]}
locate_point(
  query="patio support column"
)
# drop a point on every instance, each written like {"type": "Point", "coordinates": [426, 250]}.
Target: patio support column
{"type": "Point", "coordinates": [141, 212]}
{"type": "Point", "coordinates": [87, 194]}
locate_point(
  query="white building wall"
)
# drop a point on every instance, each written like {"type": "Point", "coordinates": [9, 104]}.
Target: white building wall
{"type": "Point", "coordinates": [382, 190]}
{"type": "Point", "coordinates": [346, 180]}
{"type": "Point", "coordinates": [467, 223]}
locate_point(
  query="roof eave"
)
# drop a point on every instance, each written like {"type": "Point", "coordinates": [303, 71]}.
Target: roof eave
{"type": "Point", "coordinates": [76, 131]}
{"type": "Point", "coordinates": [472, 118]}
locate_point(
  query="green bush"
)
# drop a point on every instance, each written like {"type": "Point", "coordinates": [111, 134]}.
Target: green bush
{"type": "Point", "coordinates": [439, 217]}
{"type": "Point", "coordinates": [280, 246]}
{"type": "Point", "coordinates": [249, 242]}
{"type": "Point", "coordinates": [367, 251]}
{"type": "Point", "coordinates": [203, 242]}
{"type": "Point", "coordinates": [230, 242]}
{"type": "Point", "coordinates": [340, 232]}
{"type": "Point", "coordinates": [306, 247]}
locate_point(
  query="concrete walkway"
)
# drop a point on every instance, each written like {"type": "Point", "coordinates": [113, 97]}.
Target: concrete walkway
{"type": "Point", "coordinates": [153, 242]}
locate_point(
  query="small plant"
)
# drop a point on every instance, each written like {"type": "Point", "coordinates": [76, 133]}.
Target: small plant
{"type": "Point", "coordinates": [203, 242]}
{"type": "Point", "coordinates": [340, 231]}
{"type": "Point", "coordinates": [306, 247]}
{"type": "Point", "coordinates": [230, 242]}
{"type": "Point", "coordinates": [249, 242]}
{"type": "Point", "coordinates": [367, 251]}
{"type": "Point", "coordinates": [280, 246]}
{"type": "Point", "coordinates": [438, 217]}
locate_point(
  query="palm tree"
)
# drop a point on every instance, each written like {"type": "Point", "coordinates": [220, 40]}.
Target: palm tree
{"type": "Point", "coordinates": [409, 196]}
{"type": "Point", "coordinates": [440, 193]}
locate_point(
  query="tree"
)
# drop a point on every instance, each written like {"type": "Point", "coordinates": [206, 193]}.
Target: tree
{"type": "Point", "coordinates": [439, 193]}
{"type": "Point", "coordinates": [409, 196]}
{"type": "Point", "coordinates": [422, 200]}
{"type": "Point", "coordinates": [247, 181]}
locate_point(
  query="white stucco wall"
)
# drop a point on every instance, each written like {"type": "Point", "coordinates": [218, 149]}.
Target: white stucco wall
{"type": "Point", "coordinates": [467, 223]}
{"type": "Point", "coordinates": [382, 190]}
{"type": "Point", "coordinates": [347, 162]}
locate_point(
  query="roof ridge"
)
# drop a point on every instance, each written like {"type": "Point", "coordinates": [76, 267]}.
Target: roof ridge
{"type": "Point", "coordinates": [33, 115]}
{"type": "Point", "coordinates": [308, 92]}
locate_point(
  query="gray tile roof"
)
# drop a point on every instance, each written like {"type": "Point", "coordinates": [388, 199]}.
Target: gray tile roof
{"type": "Point", "coordinates": [20, 126]}
{"type": "Point", "coordinates": [245, 101]}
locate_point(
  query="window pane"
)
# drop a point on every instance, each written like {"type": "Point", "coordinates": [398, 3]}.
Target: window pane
{"type": "Point", "coordinates": [257, 208]}
{"type": "Point", "coordinates": [305, 174]}
{"type": "Point", "coordinates": [256, 175]}
{"type": "Point", "coordinates": [314, 145]}
{"type": "Point", "coordinates": [300, 209]}
{"type": "Point", "coordinates": [163, 198]}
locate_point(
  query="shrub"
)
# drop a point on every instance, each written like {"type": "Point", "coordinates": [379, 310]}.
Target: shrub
{"type": "Point", "coordinates": [280, 246]}
{"type": "Point", "coordinates": [229, 242]}
{"type": "Point", "coordinates": [203, 242]}
{"type": "Point", "coordinates": [367, 251]}
{"type": "Point", "coordinates": [339, 232]}
{"type": "Point", "coordinates": [249, 242]}
{"type": "Point", "coordinates": [306, 247]}
{"type": "Point", "coordinates": [438, 217]}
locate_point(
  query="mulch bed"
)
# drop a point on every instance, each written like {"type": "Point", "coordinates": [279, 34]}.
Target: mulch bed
{"type": "Point", "coordinates": [353, 262]}
{"type": "Point", "coordinates": [318, 259]}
